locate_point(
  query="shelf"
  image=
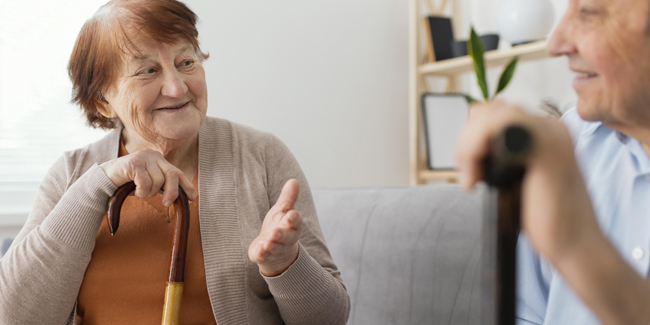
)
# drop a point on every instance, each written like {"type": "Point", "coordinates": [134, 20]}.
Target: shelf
{"type": "Point", "coordinates": [526, 52]}
{"type": "Point", "coordinates": [452, 69]}
{"type": "Point", "coordinates": [446, 175]}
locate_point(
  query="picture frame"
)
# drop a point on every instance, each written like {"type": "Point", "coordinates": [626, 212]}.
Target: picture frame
{"type": "Point", "coordinates": [443, 117]}
{"type": "Point", "coordinates": [439, 35]}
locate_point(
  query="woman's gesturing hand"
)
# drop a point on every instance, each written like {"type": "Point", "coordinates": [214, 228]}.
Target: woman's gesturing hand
{"type": "Point", "coordinates": [276, 247]}
{"type": "Point", "coordinates": [151, 173]}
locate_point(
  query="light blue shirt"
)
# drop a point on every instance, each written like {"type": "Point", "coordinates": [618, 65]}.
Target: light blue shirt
{"type": "Point", "coordinates": [616, 170]}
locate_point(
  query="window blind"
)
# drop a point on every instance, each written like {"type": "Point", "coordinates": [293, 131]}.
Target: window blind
{"type": "Point", "coordinates": [37, 121]}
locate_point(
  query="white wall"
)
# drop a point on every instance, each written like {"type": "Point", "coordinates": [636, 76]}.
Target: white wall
{"type": "Point", "coordinates": [330, 79]}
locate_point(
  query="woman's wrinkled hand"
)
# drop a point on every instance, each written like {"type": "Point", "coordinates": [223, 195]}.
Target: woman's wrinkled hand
{"type": "Point", "coordinates": [276, 247]}
{"type": "Point", "coordinates": [556, 210]}
{"type": "Point", "coordinates": [152, 173]}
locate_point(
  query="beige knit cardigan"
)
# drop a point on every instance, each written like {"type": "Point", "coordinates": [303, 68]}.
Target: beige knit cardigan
{"type": "Point", "coordinates": [241, 174]}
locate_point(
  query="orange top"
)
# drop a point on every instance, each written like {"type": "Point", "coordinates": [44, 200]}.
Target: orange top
{"type": "Point", "coordinates": [126, 278]}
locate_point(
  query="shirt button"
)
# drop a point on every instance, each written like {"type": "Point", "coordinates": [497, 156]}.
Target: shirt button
{"type": "Point", "coordinates": [637, 253]}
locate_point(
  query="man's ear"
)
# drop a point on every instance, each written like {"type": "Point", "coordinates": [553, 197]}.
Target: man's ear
{"type": "Point", "coordinates": [104, 108]}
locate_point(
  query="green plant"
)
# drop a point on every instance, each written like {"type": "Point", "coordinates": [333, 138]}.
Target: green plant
{"type": "Point", "coordinates": [475, 50]}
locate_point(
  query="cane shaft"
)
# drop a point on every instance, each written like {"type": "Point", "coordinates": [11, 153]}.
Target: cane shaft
{"type": "Point", "coordinates": [179, 244]}
{"type": "Point", "coordinates": [508, 205]}
{"type": "Point", "coordinates": [504, 171]}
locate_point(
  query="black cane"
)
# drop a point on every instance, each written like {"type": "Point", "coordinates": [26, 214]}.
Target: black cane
{"type": "Point", "coordinates": [504, 170]}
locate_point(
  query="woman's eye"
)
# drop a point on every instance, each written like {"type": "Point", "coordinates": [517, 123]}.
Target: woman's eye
{"type": "Point", "coordinates": [187, 63]}
{"type": "Point", "coordinates": [147, 71]}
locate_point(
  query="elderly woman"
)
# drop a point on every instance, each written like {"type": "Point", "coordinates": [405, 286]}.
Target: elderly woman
{"type": "Point", "coordinates": [256, 253]}
{"type": "Point", "coordinates": [594, 232]}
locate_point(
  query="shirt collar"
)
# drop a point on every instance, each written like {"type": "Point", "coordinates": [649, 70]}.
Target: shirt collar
{"type": "Point", "coordinates": [591, 128]}
{"type": "Point", "coordinates": [640, 155]}
{"type": "Point", "coordinates": [594, 126]}
{"type": "Point", "coordinates": [634, 146]}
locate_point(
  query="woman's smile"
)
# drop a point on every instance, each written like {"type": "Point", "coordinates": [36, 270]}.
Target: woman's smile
{"type": "Point", "coordinates": [173, 108]}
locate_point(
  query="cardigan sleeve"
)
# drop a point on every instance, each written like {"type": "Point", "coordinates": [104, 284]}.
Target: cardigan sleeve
{"type": "Point", "coordinates": [310, 291]}
{"type": "Point", "coordinates": [42, 272]}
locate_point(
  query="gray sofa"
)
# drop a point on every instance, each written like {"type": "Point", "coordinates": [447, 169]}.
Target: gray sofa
{"type": "Point", "coordinates": [4, 246]}
{"type": "Point", "coordinates": [408, 255]}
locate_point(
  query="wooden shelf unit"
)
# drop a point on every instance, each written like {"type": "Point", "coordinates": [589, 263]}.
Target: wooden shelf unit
{"type": "Point", "coordinates": [450, 69]}
{"type": "Point", "coordinates": [450, 176]}
{"type": "Point", "coordinates": [497, 58]}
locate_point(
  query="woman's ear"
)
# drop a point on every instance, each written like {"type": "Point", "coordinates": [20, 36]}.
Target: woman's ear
{"type": "Point", "coordinates": [104, 107]}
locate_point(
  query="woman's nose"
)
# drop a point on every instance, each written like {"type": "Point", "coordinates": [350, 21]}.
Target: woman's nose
{"type": "Point", "coordinates": [173, 85]}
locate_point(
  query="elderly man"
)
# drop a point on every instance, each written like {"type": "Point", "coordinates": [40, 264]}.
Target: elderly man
{"type": "Point", "coordinates": [586, 205]}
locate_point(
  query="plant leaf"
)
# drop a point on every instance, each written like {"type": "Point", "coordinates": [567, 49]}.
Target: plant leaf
{"type": "Point", "coordinates": [475, 50]}
{"type": "Point", "coordinates": [506, 75]}
{"type": "Point", "coordinates": [469, 99]}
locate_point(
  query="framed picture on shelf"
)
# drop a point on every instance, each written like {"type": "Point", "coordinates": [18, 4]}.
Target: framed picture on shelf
{"type": "Point", "coordinates": [439, 36]}
{"type": "Point", "coordinates": [443, 116]}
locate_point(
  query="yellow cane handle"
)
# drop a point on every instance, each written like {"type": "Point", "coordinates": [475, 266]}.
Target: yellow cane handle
{"type": "Point", "coordinates": [172, 308]}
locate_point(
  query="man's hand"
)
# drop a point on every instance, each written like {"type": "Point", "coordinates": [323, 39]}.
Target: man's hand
{"type": "Point", "coordinates": [556, 209]}
{"type": "Point", "coordinates": [276, 247]}
{"type": "Point", "coordinates": [557, 214]}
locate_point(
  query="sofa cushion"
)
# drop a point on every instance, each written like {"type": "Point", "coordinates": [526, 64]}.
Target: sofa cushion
{"type": "Point", "coordinates": [5, 246]}
{"type": "Point", "coordinates": [408, 255]}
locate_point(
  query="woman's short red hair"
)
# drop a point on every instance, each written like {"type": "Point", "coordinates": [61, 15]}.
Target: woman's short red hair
{"type": "Point", "coordinates": [113, 31]}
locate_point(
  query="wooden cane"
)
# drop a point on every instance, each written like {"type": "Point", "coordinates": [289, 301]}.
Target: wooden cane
{"type": "Point", "coordinates": [504, 171]}
{"type": "Point", "coordinates": [174, 289]}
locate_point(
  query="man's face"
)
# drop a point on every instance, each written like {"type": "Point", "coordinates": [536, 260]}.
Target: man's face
{"type": "Point", "coordinates": [608, 46]}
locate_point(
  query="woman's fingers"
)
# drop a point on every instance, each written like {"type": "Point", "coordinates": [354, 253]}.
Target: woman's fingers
{"type": "Point", "coordinates": [288, 196]}
{"type": "Point", "coordinates": [170, 192]}
{"type": "Point", "coordinates": [157, 178]}
{"type": "Point", "coordinates": [292, 220]}
{"type": "Point", "coordinates": [173, 178]}
{"type": "Point", "coordinates": [269, 247]}
{"type": "Point", "coordinates": [280, 229]}
{"type": "Point", "coordinates": [152, 173]}
{"type": "Point", "coordinates": [187, 186]}
{"type": "Point", "coordinates": [287, 233]}
{"type": "Point", "coordinates": [259, 251]}
{"type": "Point", "coordinates": [142, 181]}
{"type": "Point", "coordinates": [277, 245]}
{"type": "Point", "coordinates": [281, 242]}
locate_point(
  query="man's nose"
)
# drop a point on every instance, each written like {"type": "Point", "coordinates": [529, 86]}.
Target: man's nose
{"type": "Point", "coordinates": [561, 41]}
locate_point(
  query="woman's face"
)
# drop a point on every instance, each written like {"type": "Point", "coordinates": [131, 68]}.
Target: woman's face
{"type": "Point", "coordinates": [607, 44]}
{"type": "Point", "coordinates": [160, 95]}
